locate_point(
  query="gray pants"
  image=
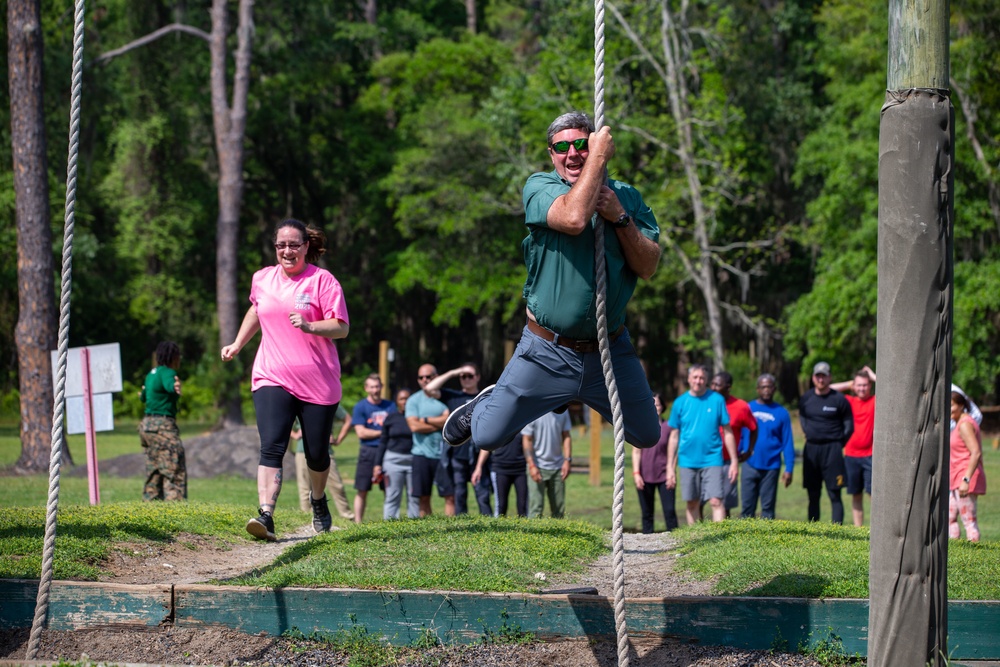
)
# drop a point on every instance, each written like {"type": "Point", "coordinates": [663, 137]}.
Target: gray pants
{"type": "Point", "coordinates": [542, 376]}
{"type": "Point", "coordinates": [398, 471]}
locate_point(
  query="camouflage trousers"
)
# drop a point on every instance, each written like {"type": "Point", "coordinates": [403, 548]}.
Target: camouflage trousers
{"type": "Point", "coordinates": [166, 471]}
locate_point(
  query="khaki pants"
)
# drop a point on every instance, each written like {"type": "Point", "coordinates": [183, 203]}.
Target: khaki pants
{"type": "Point", "coordinates": [334, 487]}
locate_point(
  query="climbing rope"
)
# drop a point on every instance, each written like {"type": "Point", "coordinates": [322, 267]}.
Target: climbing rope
{"type": "Point", "coordinates": [600, 271]}
{"type": "Point", "coordinates": [59, 402]}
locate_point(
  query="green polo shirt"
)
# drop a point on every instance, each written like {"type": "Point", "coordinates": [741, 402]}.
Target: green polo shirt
{"type": "Point", "coordinates": [560, 287]}
{"type": "Point", "coordinates": [158, 392]}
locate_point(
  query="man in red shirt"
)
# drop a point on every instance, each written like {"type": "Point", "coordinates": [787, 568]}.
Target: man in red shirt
{"type": "Point", "coordinates": [740, 417]}
{"type": "Point", "coordinates": [858, 450]}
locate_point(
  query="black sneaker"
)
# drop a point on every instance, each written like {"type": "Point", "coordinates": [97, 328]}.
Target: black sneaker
{"type": "Point", "coordinates": [262, 527]}
{"type": "Point", "coordinates": [321, 514]}
{"type": "Point", "coordinates": [458, 427]}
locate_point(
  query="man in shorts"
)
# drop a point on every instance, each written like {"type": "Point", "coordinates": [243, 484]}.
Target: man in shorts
{"type": "Point", "coordinates": [700, 426]}
{"type": "Point", "coordinates": [825, 416]}
{"type": "Point", "coordinates": [367, 419]}
{"type": "Point", "coordinates": [858, 450]}
{"type": "Point", "coordinates": [425, 415]}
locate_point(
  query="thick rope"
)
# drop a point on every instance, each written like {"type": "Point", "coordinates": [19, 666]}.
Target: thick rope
{"type": "Point", "coordinates": [600, 275]}
{"type": "Point", "coordinates": [59, 403]}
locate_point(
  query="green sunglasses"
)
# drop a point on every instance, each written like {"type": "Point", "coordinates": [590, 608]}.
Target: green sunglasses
{"type": "Point", "coordinates": [563, 146]}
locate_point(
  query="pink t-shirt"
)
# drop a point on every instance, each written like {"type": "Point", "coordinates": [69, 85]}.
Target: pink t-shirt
{"type": "Point", "coordinates": [960, 456]}
{"type": "Point", "coordinates": [305, 365]}
{"type": "Point", "coordinates": [860, 442]}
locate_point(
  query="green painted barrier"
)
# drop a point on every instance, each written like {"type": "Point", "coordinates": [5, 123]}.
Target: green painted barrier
{"type": "Point", "coordinates": [74, 605]}
{"type": "Point", "coordinates": [402, 617]}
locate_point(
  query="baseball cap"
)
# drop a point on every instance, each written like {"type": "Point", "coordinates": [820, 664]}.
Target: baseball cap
{"type": "Point", "coordinates": [822, 368]}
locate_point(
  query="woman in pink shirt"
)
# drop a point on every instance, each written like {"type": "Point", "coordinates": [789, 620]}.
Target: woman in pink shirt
{"type": "Point", "coordinates": [968, 480]}
{"type": "Point", "coordinates": [299, 309]}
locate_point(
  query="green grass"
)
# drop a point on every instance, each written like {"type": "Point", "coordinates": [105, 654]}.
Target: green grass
{"type": "Point", "coordinates": [87, 536]}
{"type": "Point", "coordinates": [438, 553]}
{"type": "Point", "coordinates": [816, 560]}
{"type": "Point", "coordinates": [783, 557]}
{"type": "Point", "coordinates": [583, 501]}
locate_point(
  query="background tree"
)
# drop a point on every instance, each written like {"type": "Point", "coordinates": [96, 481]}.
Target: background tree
{"type": "Point", "coordinates": [36, 324]}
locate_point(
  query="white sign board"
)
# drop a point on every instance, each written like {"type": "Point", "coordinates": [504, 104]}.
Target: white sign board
{"type": "Point", "coordinates": [105, 369]}
{"type": "Point", "coordinates": [103, 414]}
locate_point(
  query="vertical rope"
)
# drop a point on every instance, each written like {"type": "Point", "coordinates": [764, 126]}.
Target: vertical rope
{"type": "Point", "coordinates": [59, 402]}
{"type": "Point", "coordinates": [600, 275]}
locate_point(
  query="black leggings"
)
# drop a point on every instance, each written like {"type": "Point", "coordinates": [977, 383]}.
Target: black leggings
{"type": "Point", "coordinates": [276, 412]}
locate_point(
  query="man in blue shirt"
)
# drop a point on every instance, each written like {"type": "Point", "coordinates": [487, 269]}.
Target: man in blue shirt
{"type": "Point", "coordinates": [367, 419]}
{"type": "Point", "coordinates": [695, 444]}
{"type": "Point", "coordinates": [558, 360]}
{"type": "Point", "coordinates": [774, 443]}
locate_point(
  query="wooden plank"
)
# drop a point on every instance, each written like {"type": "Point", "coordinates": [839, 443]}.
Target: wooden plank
{"type": "Point", "coordinates": [404, 616]}
{"type": "Point", "coordinates": [76, 604]}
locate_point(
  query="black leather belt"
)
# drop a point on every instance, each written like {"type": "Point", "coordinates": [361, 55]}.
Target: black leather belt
{"type": "Point", "coordinates": [582, 346]}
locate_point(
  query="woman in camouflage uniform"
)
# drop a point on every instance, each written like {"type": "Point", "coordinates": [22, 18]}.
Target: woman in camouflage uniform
{"type": "Point", "coordinates": [166, 472]}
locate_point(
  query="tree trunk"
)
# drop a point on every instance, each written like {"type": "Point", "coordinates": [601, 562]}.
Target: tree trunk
{"type": "Point", "coordinates": [672, 71]}
{"type": "Point", "coordinates": [704, 275]}
{"type": "Point", "coordinates": [230, 127]}
{"type": "Point", "coordinates": [470, 15]}
{"type": "Point", "coordinates": [35, 333]}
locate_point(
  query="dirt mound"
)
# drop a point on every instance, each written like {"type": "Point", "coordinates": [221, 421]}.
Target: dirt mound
{"type": "Point", "coordinates": [232, 451]}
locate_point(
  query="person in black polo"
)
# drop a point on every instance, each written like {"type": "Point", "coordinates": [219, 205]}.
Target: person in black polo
{"type": "Point", "coordinates": [826, 419]}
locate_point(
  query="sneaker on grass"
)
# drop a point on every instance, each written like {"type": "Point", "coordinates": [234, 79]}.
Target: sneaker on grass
{"type": "Point", "coordinates": [458, 427]}
{"type": "Point", "coordinates": [262, 527]}
{"type": "Point", "coordinates": [321, 514]}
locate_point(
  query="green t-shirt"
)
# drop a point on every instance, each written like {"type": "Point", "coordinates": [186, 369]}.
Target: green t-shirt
{"type": "Point", "coordinates": [560, 288]}
{"type": "Point", "coordinates": [158, 392]}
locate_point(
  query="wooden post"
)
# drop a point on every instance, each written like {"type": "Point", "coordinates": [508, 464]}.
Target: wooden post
{"type": "Point", "coordinates": [908, 612]}
{"type": "Point", "coordinates": [596, 426]}
{"type": "Point", "coordinates": [508, 351]}
{"type": "Point", "coordinates": [383, 366]}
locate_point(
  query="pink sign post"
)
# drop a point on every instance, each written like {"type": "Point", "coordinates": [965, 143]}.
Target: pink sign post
{"type": "Point", "coordinates": [93, 483]}
{"type": "Point", "coordinates": [93, 374]}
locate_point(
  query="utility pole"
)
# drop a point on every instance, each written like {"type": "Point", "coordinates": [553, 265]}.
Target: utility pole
{"type": "Point", "coordinates": [908, 611]}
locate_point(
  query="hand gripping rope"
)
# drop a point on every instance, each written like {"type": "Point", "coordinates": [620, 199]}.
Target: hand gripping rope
{"type": "Point", "coordinates": [600, 275]}
{"type": "Point", "coordinates": [59, 403]}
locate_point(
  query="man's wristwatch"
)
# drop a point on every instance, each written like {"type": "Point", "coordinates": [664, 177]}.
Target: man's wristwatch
{"type": "Point", "coordinates": [624, 220]}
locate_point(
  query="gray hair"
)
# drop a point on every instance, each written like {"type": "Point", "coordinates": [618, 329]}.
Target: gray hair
{"type": "Point", "coordinates": [574, 120]}
{"type": "Point", "coordinates": [767, 376]}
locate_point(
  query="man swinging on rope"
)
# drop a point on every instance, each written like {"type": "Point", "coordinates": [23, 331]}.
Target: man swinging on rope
{"type": "Point", "coordinates": [557, 359]}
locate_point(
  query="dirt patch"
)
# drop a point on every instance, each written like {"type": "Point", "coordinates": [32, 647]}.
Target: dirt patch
{"type": "Point", "coordinates": [195, 559]}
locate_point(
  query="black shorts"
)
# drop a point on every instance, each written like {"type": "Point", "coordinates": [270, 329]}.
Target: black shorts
{"type": "Point", "coordinates": [859, 474]}
{"type": "Point", "coordinates": [823, 463]}
{"type": "Point", "coordinates": [424, 472]}
{"type": "Point", "coordinates": [366, 463]}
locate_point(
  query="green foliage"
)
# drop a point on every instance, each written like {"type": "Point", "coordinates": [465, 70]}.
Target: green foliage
{"type": "Point", "coordinates": [507, 633]}
{"type": "Point", "coordinates": [828, 651]}
{"type": "Point", "coordinates": [975, 365]}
